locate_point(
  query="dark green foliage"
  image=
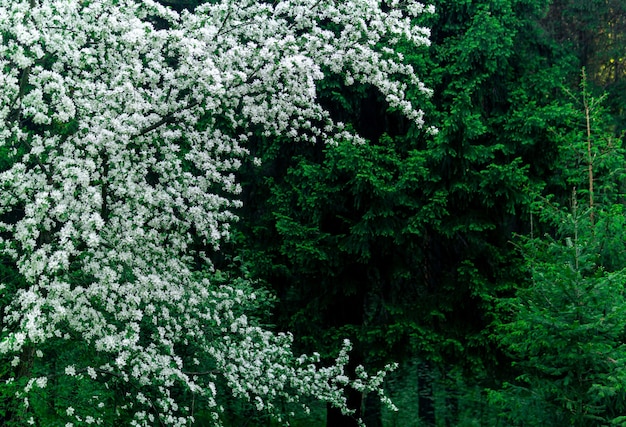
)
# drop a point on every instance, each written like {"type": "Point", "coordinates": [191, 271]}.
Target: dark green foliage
{"type": "Point", "coordinates": [341, 222]}
{"type": "Point", "coordinates": [403, 243]}
{"type": "Point", "coordinates": [478, 166]}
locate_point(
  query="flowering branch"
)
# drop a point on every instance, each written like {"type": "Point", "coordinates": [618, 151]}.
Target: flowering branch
{"type": "Point", "coordinates": [123, 158]}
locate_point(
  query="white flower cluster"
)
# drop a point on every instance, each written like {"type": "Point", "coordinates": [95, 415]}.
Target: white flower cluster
{"type": "Point", "coordinates": [123, 122]}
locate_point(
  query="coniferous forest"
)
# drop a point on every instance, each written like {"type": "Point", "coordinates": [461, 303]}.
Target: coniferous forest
{"type": "Point", "coordinates": [313, 213]}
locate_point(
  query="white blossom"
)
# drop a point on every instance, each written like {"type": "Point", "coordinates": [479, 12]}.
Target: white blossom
{"type": "Point", "coordinates": [123, 139]}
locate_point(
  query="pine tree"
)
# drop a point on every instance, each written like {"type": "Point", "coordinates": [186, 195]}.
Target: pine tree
{"type": "Point", "coordinates": [566, 329]}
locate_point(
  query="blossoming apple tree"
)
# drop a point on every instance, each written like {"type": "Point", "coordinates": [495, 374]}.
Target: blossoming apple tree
{"type": "Point", "coordinates": [122, 123]}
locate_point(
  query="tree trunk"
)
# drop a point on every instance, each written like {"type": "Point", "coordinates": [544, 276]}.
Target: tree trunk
{"type": "Point", "coordinates": [372, 415]}
{"type": "Point", "coordinates": [452, 407]}
{"type": "Point", "coordinates": [426, 405]}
